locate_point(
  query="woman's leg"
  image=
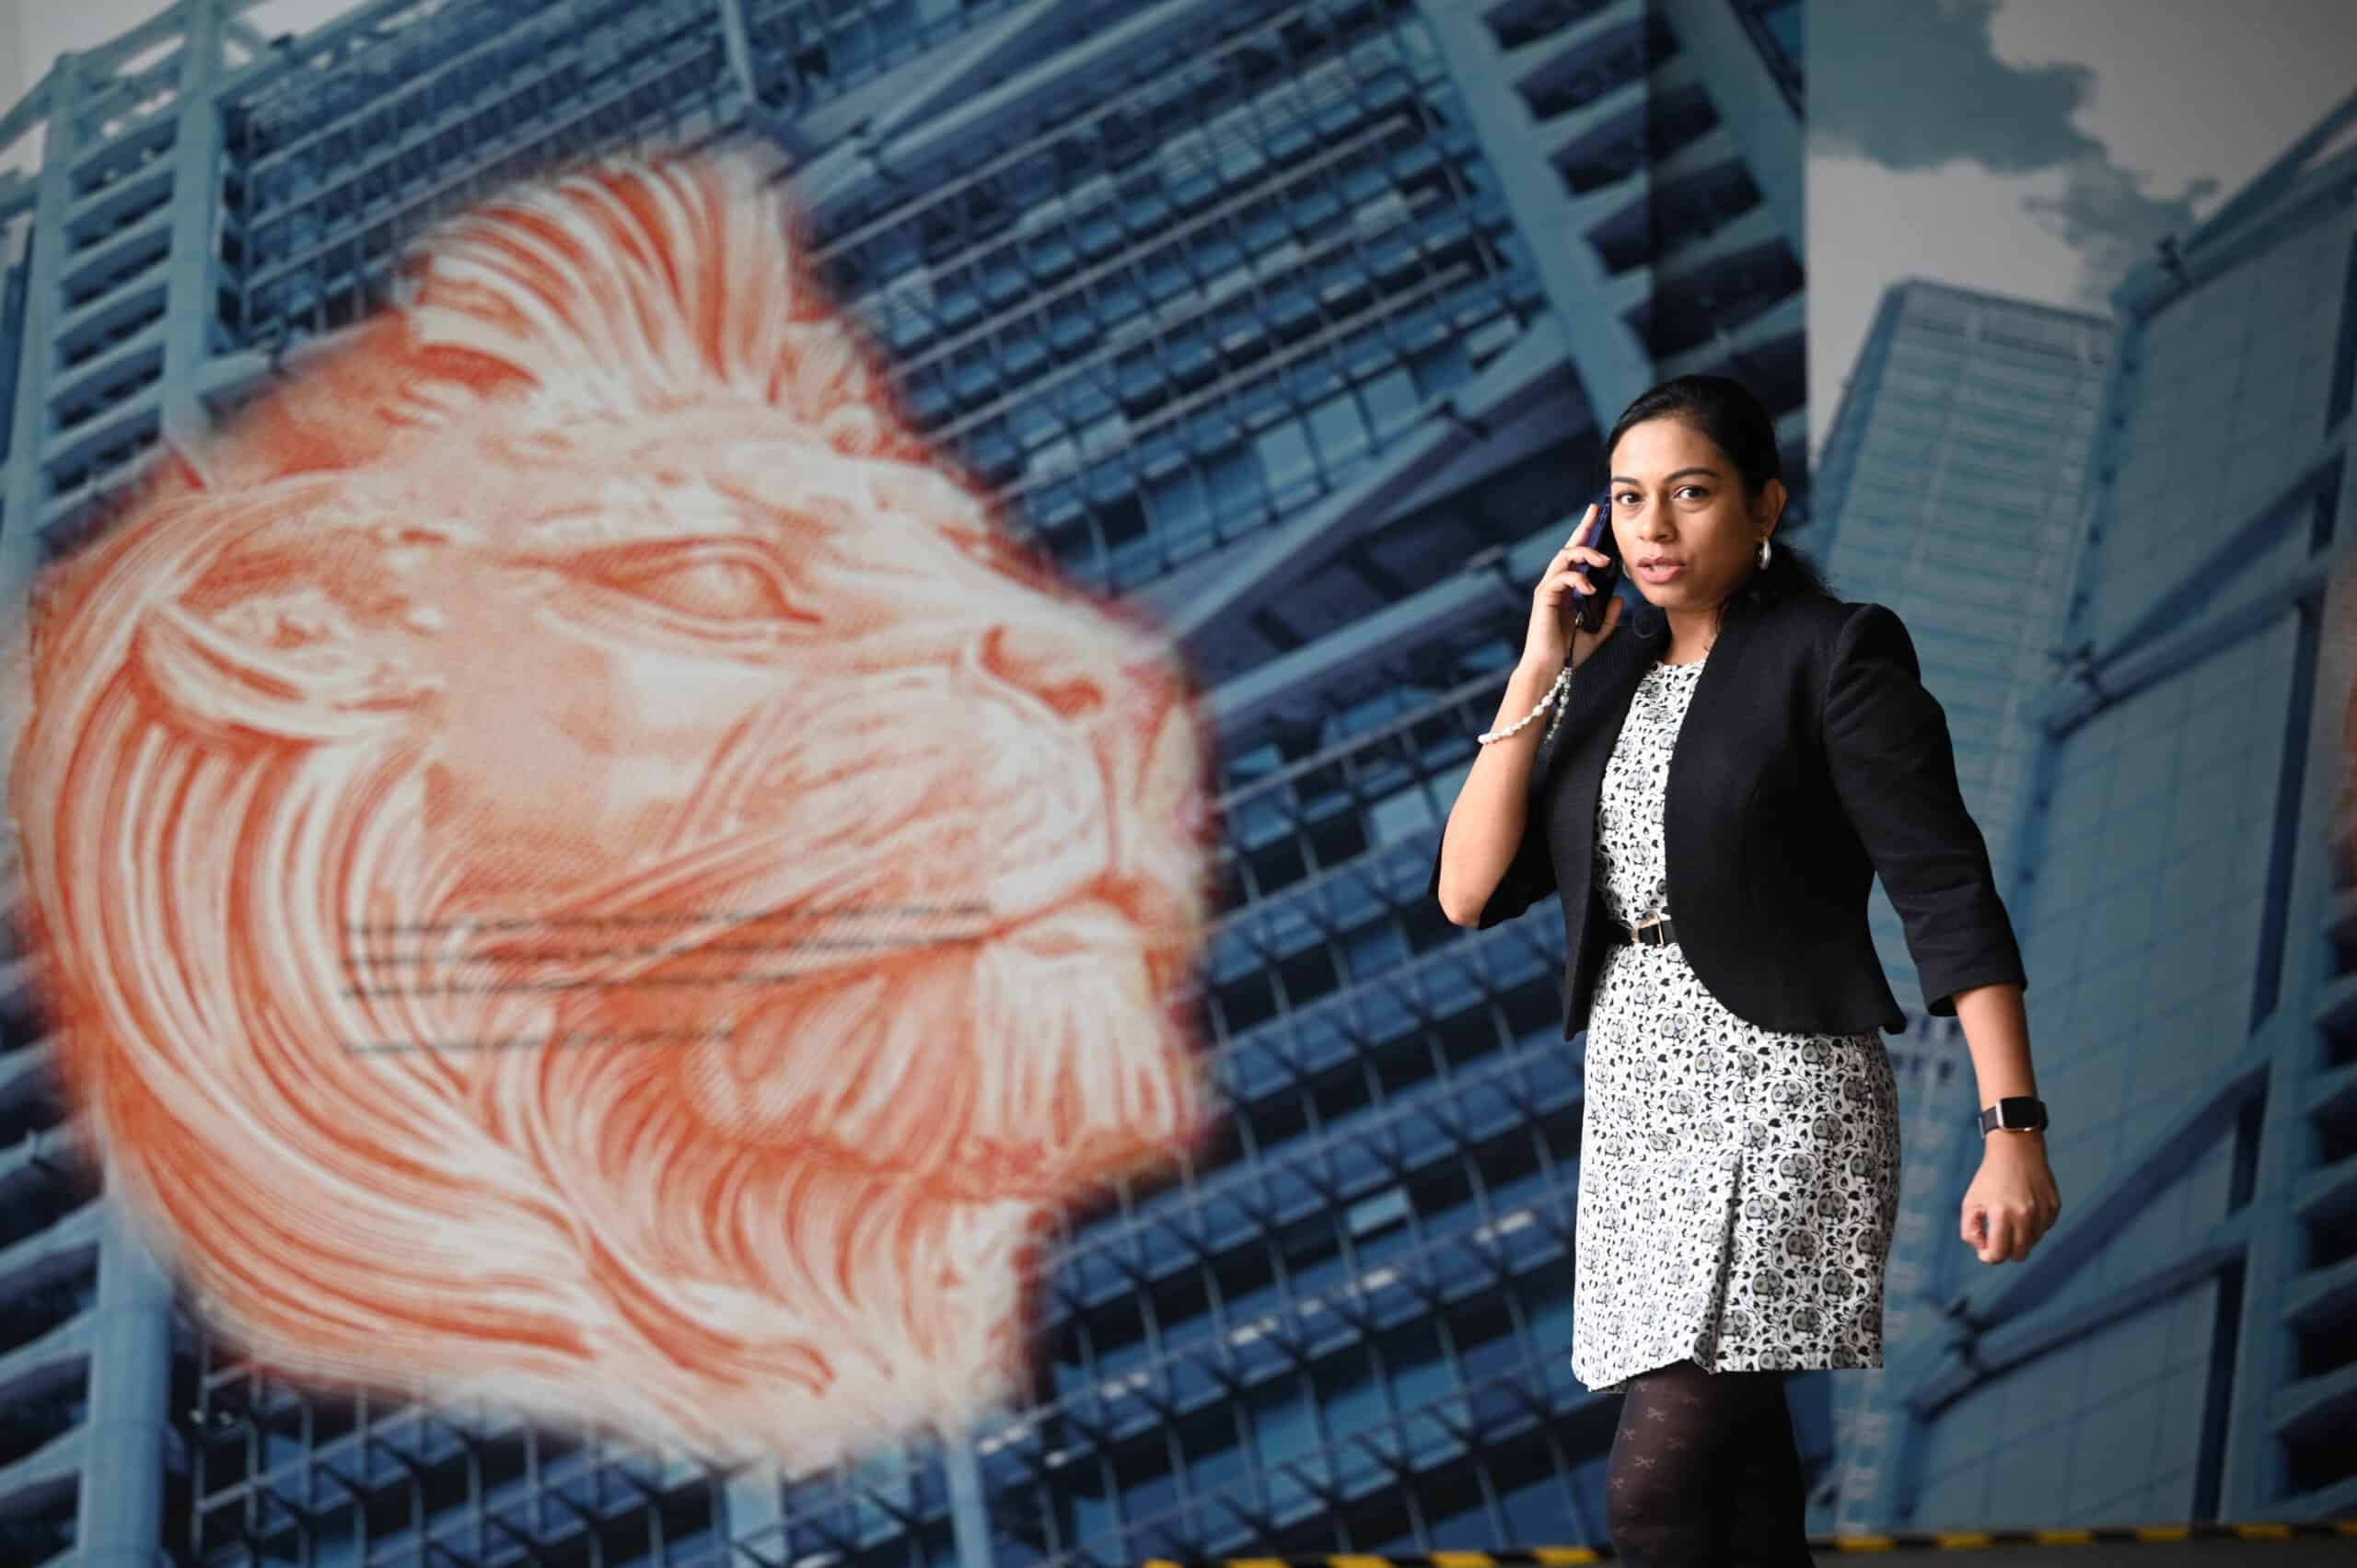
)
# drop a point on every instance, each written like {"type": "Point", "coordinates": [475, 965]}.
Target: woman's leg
{"type": "Point", "coordinates": [1767, 1511]}
{"type": "Point", "coordinates": [1685, 1453]}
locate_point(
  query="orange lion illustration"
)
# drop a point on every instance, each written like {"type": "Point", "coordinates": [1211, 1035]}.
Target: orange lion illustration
{"type": "Point", "coordinates": [573, 861]}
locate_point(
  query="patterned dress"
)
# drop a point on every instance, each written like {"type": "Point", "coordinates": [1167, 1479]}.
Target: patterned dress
{"type": "Point", "coordinates": [1738, 1185]}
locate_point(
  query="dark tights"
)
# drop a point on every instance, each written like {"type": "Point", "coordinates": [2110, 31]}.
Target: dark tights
{"type": "Point", "coordinates": [1706, 1473]}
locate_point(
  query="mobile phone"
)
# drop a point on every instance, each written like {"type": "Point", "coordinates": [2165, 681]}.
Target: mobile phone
{"type": "Point", "coordinates": [1590, 607]}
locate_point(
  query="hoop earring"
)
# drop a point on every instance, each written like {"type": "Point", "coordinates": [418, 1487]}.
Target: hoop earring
{"type": "Point", "coordinates": [1763, 554]}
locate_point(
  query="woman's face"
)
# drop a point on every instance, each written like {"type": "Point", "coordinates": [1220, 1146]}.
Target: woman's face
{"type": "Point", "coordinates": [1677, 499]}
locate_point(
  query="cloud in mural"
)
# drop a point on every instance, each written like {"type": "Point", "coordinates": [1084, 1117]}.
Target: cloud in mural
{"type": "Point", "coordinates": [574, 861]}
{"type": "Point", "coordinates": [1923, 85]}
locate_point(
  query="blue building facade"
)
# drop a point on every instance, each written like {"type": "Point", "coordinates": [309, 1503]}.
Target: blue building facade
{"type": "Point", "coordinates": [2181, 1346]}
{"type": "Point", "coordinates": [1296, 321]}
{"type": "Point", "coordinates": [1953, 487]}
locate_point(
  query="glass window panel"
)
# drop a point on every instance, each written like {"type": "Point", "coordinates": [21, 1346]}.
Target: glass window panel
{"type": "Point", "coordinates": [1287, 462]}
{"type": "Point", "coordinates": [1340, 427]}
{"type": "Point", "coordinates": [1281, 1425]}
{"type": "Point", "coordinates": [1347, 1392]}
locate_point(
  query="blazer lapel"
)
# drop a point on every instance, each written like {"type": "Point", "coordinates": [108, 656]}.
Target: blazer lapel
{"type": "Point", "coordinates": [1695, 770]}
{"type": "Point", "coordinates": [1602, 690]}
{"type": "Point", "coordinates": [1720, 683]}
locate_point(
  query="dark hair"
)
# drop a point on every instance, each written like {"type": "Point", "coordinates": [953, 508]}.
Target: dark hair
{"type": "Point", "coordinates": [1725, 411]}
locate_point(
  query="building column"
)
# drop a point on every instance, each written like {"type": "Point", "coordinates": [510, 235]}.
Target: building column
{"type": "Point", "coordinates": [968, 1517]}
{"type": "Point", "coordinates": [27, 494]}
{"type": "Point", "coordinates": [1613, 366]}
{"type": "Point", "coordinates": [121, 1509]}
{"type": "Point", "coordinates": [120, 1506]}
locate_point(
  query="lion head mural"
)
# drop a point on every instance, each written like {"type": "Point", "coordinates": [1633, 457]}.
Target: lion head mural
{"type": "Point", "coordinates": [573, 862]}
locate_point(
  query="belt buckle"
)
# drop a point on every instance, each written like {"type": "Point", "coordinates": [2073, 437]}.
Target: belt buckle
{"type": "Point", "coordinates": [1638, 931]}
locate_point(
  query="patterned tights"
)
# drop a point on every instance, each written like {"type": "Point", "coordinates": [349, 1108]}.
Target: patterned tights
{"type": "Point", "coordinates": [1704, 1472]}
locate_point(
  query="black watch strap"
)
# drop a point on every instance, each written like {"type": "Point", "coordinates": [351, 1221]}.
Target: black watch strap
{"type": "Point", "coordinates": [2014, 1113]}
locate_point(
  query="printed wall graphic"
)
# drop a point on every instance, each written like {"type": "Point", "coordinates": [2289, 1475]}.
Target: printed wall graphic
{"type": "Point", "coordinates": [574, 861]}
{"type": "Point", "coordinates": [646, 829]}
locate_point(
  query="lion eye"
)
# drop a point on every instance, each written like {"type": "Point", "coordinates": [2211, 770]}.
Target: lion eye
{"type": "Point", "coordinates": [724, 590]}
{"type": "Point", "coordinates": [710, 584]}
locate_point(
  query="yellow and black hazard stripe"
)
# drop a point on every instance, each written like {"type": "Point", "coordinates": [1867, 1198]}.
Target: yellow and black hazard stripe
{"type": "Point", "coordinates": [1937, 1541]}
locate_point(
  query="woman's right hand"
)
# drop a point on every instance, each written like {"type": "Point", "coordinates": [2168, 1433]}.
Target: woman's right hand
{"type": "Point", "coordinates": [1554, 638]}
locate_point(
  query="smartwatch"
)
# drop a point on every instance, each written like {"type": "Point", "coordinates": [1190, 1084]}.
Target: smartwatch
{"type": "Point", "coordinates": [2014, 1113]}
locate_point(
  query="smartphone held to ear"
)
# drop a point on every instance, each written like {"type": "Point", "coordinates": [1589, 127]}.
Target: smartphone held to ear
{"type": "Point", "coordinates": [1590, 608]}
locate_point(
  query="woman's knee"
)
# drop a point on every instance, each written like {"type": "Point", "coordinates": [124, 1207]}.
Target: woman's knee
{"type": "Point", "coordinates": [1657, 1522]}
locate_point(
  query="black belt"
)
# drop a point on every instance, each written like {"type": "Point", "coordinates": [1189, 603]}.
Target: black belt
{"type": "Point", "coordinates": [1655, 932]}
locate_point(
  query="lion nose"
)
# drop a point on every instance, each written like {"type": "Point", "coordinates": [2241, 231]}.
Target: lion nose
{"type": "Point", "coordinates": [1071, 675]}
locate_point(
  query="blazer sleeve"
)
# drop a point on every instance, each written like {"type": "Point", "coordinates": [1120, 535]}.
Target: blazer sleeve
{"type": "Point", "coordinates": [1530, 875]}
{"type": "Point", "coordinates": [1887, 745]}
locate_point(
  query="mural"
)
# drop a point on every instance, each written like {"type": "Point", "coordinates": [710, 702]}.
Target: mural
{"type": "Point", "coordinates": [692, 1024]}
{"type": "Point", "coordinates": [779, 802]}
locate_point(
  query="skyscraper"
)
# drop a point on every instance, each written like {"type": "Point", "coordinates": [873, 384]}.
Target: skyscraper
{"type": "Point", "coordinates": [2179, 1348]}
{"type": "Point", "coordinates": [1270, 313]}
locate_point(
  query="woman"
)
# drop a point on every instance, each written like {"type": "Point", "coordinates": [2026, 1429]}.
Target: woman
{"type": "Point", "coordinates": [1720, 791]}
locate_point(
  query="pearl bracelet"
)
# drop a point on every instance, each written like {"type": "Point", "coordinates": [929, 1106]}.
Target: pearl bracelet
{"type": "Point", "coordinates": [1556, 695]}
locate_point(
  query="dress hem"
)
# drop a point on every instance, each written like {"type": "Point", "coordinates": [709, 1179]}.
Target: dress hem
{"type": "Point", "coordinates": [1868, 1364]}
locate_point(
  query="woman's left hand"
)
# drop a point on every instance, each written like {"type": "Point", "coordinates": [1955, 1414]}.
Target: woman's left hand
{"type": "Point", "coordinates": [2013, 1201]}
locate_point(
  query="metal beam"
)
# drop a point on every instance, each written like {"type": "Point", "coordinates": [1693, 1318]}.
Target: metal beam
{"type": "Point", "coordinates": [47, 1472]}
{"type": "Point", "coordinates": [35, 103]}
{"type": "Point", "coordinates": [102, 60]}
{"type": "Point", "coordinates": [247, 34]}
{"type": "Point", "coordinates": [2221, 627]}
{"type": "Point", "coordinates": [778, 125]}
{"type": "Point", "coordinates": [2277, 179]}
{"type": "Point", "coordinates": [736, 44]}
{"type": "Point", "coordinates": [2317, 1405]}
{"type": "Point", "coordinates": [2283, 200]}
{"type": "Point", "coordinates": [2335, 1501]}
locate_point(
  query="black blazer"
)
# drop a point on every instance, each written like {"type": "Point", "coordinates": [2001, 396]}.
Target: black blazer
{"type": "Point", "coordinates": [1811, 758]}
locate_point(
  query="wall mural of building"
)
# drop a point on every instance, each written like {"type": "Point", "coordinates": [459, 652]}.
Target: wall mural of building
{"type": "Point", "coordinates": [1290, 329]}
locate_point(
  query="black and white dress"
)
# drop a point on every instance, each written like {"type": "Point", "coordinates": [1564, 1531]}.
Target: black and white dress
{"type": "Point", "coordinates": [1738, 1185]}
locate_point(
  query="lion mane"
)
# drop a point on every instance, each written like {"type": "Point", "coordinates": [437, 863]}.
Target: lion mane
{"type": "Point", "coordinates": [471, 1002]}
